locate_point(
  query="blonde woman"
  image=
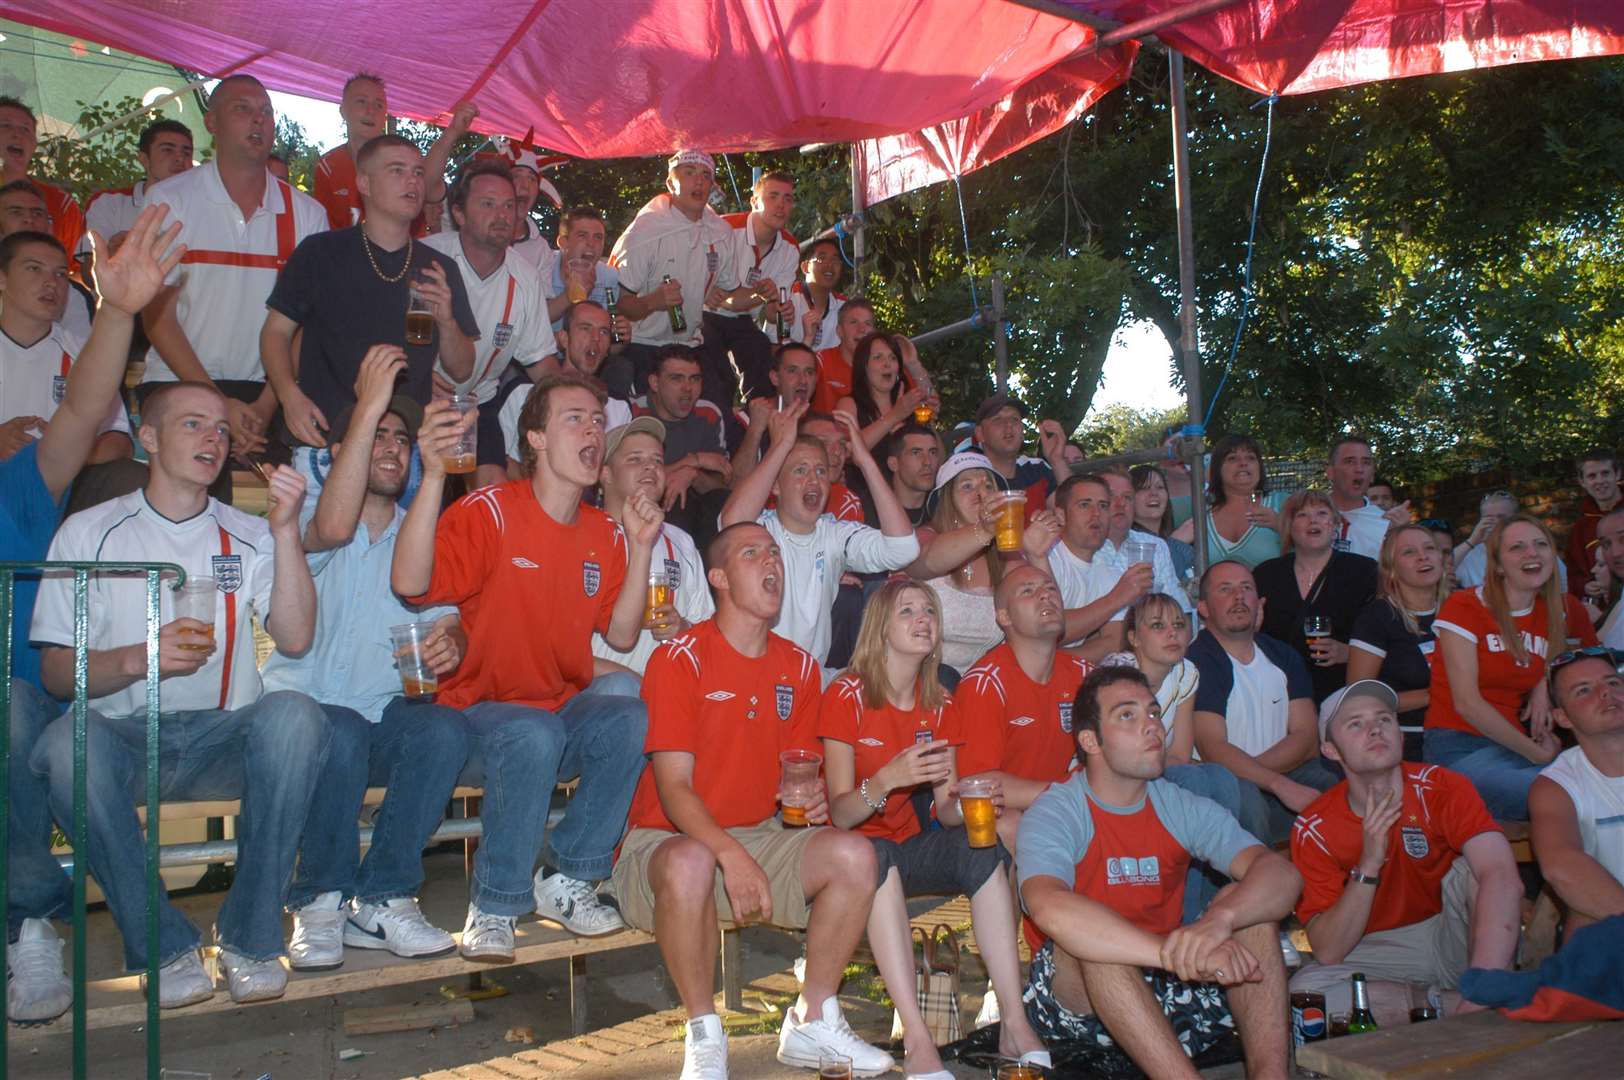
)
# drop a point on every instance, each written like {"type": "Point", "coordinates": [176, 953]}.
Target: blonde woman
{"type": "Point", "coordinates": [889, 731]}
{"type": "Point", "coordinates": [1489, 712]}
{"type": "Point", "coordinates": [1392, 637]}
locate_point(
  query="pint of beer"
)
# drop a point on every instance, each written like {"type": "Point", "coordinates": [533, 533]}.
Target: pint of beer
{"type": "Point", "coordinates": [196, 600]}
{"type": "Point", "coordinates": [661, 591]}
{"type": "Point", "coordinates": [461, 458]}
{"type": "Point", "coordinates": [798, 784]}
{"type": "Point", "coordinates": [419, 321]}
{"type": "Point", "coordinates": [1011, 519]}
{"type": "Point", "coordinates": [418, 682]}
{"type": "Point", "coordinates": [980, 815]}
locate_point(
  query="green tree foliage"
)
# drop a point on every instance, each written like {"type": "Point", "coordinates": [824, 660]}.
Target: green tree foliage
{"type": "Point", "coordinates": [298, 151]}
{"type": "Point", "coordinates": [85, 167]}
{"type": "Point", "coordinates": [1119, 428]}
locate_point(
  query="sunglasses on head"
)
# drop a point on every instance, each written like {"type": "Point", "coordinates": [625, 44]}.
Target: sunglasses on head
{"type": "Point", "coordinates": [1437, 525]}
{"type": "Point", "coordinates": [1590, 652]}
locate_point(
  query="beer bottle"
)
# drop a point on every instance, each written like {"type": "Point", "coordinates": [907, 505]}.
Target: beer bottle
{"type": "Point", "coordinates": [610, 296]}
{"type": "Point", "coordinates": [679, 321]}
{"type": "Point", "coordinates": [783, 327]}
{"type": "Point", "coordinates": [1360, 1019]}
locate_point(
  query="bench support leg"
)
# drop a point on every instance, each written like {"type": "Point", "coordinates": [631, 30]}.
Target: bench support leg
{"type": "Point", "coordinates": [578, 995]}
{"type": "Point", "coordinates": [732, 975]}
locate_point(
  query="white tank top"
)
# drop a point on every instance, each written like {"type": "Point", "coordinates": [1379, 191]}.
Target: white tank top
{"type": "Point", "coordinates": [969, 624]}
{"type": "Point", "coordinates": [1599, 802]}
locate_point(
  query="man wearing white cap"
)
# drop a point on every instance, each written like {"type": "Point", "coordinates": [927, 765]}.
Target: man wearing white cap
{"type": "Point", "coordinates": [677, 255]}
{"type": "Point", "coordinates": [1406, 876]}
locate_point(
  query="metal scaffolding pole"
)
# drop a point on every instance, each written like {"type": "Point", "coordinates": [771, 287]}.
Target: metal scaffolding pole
{"type": "Point", "coordinates": [858, 205]}
{"type": "Point", "coordinates": [1000, 336]}
{"type": "Point", "coordinates": [1189, 346]}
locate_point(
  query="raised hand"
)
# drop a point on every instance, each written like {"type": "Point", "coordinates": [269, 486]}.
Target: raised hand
{"type": "Point", "coordinates": [375, 380]}
{"type": "Point", "coordinates": [128, 278]}
{"type": "Point", "coordinates": [287, 491]}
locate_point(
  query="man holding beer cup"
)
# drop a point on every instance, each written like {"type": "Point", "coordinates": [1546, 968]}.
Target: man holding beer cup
{"type": "Point", "coordinates": [724, 701]}
{"type": "Point", "coordinates": [1101, 868]}
{"type": "Point", "coordinates": [381, 736]}
{"type": "Point", "coordinates": [222, 736]}
{"type": "Point", "coordinates": [354, 288]}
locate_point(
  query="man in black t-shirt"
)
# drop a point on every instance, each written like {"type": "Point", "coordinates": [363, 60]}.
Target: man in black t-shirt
{"type": "Point", "coordinates": [697, 468]}
{"type": "Point", "coordinates": [913, 453]}
{"type": "Point", "coordinates": [348, 290]}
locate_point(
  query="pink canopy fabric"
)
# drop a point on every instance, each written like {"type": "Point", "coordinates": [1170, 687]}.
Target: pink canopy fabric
{"type": "Point", "coordinates": [931, 88]}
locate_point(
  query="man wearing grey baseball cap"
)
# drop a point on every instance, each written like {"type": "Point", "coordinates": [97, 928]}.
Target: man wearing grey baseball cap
{"type": "Point", "coordinates": [1406, 876]}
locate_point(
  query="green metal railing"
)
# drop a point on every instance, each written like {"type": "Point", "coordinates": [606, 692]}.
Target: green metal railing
{"type": "Point", "coordinates": [81, 571]}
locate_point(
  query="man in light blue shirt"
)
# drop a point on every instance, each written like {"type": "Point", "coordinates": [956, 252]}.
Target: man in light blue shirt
{"type": "Point", "coordinates": [415, 748]}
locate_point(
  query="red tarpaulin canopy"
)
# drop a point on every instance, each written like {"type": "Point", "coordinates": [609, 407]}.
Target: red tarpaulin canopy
{"type": "Point", "coordinates": [936, 87]}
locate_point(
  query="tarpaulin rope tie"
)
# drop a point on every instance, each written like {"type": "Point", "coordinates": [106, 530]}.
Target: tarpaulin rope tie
{"type": "Point", "coordinates": [734, 181]}
{"type": "Point", "coordinates": [1251, 246]}
{"type": "Point", "coordinates": [964, 227]}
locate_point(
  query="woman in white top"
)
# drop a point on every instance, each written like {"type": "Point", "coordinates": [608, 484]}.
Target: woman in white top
{"type": "Point", "coordinates": [1157, 633]}
{"type": "Point", "coordinates": [959, 558]}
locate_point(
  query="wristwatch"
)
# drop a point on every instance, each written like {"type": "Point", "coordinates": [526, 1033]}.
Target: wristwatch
{"type": "Point", "coordinates": [1357, 877]}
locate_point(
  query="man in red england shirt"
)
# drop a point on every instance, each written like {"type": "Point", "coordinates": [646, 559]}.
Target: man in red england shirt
{"type": "Point", "coordinates": [856, 322]}
{"type": "Point", "coordinates": [19, 135]}
{"type": "Point", "coordinates": [1016, 703]}
{"type": "Point", "coordinates": [1102, 869]}
{"type": "Point", "coordinates": [724, 700]}
{"type": "Point", "coordinates": [533, 573]}
{"type": "Point", "coordinates": [1407, 878]}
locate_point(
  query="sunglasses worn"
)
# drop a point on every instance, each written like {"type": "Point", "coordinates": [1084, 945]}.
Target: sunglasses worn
{"type": "Point", "coordinates": [1590, 652]}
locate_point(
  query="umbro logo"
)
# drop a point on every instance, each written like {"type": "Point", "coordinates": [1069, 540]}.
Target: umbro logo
{"type": "Point", "coordinates": [720, 695]}
{"type": "Point", "coordinates": [1022, 721]}
{"type": "Point", "coordinates": [524, 564]}
{"type": "Point", "coordinates": [871, 742]}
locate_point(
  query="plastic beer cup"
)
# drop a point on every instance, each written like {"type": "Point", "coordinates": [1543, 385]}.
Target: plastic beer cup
{"type": "Point", "coordinates": [798, 784]}
{"type": "Point", "coordinates": [1011, 520]}
{"type": "Point", "coordinates": [419, 321]}
{"type": "Point", "coordinates": [980, 815]}
{"type": "Point", "coordinates": [418, 682]}
{"type": "Point", "coordinates": [196, 600]}
{"type": "Point", "coordinates": [460, 459]}
{"type": "Point", "coordinates": [661, 592]}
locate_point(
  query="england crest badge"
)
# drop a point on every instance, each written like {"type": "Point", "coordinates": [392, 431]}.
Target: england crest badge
{"type": "Point", "coordinates": [227, 572]}
{"type": "Point", "coordinates": [1065, 717]}
{"type": "Point", "coordinates": [784, 700]}
{"type": "Point", "coordinates": [1415, 842]}
{"type": "Point", "coordinates": [591, 577]}
{"type": "Point", "coordinates": [502, 335]}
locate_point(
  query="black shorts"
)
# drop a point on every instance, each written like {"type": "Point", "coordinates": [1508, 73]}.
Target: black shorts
{"type": "Point", "coordinates": [491, 449]}
{"type": "Point", "coordinates": [938, 862]}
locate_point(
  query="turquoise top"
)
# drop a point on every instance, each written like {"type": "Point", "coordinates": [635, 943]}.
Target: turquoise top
{"type": "Point", "coordinates": [1256, 545]}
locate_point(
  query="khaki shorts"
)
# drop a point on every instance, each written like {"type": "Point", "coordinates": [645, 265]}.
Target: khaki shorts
{"type": "Point", "coordinates": [1431, 952]}
{"type": "Point", "coordinates": [777, 851]}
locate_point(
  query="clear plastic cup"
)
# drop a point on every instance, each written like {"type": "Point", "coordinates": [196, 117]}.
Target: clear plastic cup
{"type": "Point", "coordinates": [1011, 519]}
{"type": "Point", "coordinates": [418, 682]}
{"type": "Point", "coordinates": [197, 599]}
{"type": "Point", "coordinates": [461, 458]}
{"type": "Point", "coordinates": [798, 784]}
{"type": "Point", "coordinates": [980, 815]}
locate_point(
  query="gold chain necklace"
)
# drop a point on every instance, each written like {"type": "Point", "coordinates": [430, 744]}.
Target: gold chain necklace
{"type": "Point", "coordinates": [407, 265]}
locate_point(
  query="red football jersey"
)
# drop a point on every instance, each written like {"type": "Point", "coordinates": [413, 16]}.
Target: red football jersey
{"type": "Point", "coordinates": [878, 735]}
{"type": "Point", "coordinates": [1015, 725]}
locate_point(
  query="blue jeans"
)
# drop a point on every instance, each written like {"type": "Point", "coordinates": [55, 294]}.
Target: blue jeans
{"type": "Point", "coordinates": [416, 751]}
{"type": "Point", "coordinates": [1501, 775]}
{"type": "Point", "coordinates": [1269, 819]}
{"type": "Point", "coordinates": [267, 754]}
{"type": "Point", "coordinates": [519, 755]}
{"type": "Point", "coordinates": [38, 889]}
{"type": "Point", "coordinates": [1223, 787]}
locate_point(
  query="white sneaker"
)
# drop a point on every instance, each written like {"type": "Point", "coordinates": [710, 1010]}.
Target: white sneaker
{"type": "Point", "coordinates": [399, 926]}
{"type": "Point", "coordinates": [37, 989]}
{"type": "Point", "coordinates": [488, 937]}
{"type": "Point", "coordinates": [253, 980]}
{"type": "Point", "coordinates": [318, 934]}
{"type": "Point", "coordinates": [182, 982]}
{"type": "Point", "coordinates": [989, 1011]}
{"type": "Point", "coordinates": [704, 1051]}
{"type": "Point", "coordinates": [803, 1042]}
{"type": "Point", "coordinates": [575, 904]}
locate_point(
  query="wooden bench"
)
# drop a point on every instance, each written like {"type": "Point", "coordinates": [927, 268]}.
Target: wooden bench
{"type": "Point", "coordinates": [1483, 1046]}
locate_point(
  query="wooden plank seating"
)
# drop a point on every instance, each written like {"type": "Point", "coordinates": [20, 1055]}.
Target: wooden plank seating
{"type": "Point", "coordinates": [1481, 1045]}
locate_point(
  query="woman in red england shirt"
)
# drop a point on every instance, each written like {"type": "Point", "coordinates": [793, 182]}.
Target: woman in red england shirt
{"type": "Point", "coordinates": [1489, 713]}
{"type": "Point", "coordinates": [889, 731]}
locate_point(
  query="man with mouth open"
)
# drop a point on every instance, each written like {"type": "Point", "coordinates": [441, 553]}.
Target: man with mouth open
{"type": "Point", "coordinates": [19, 135]}
{"type": "Point", "coordinates": [1406, 876]}
{"type": "Point", "coordinates": [348, 290]}
{"type": "Point", "coordinates": [241, 226]}
{"type": "Point", "coordinates": [1362, 524]}
{"type": "Point", "coordinates": [818, 548]}
{"type": "Point", "coordinates": [534, 574]}
{"type": "Point", "coordinates": [724, 700]}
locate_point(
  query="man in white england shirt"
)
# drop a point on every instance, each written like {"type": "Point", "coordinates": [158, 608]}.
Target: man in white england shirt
{"type": "Point", "coordinates": [767, 259]}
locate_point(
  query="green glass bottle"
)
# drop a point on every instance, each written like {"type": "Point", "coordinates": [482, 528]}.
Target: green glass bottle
{"type": "Point", "coordinates": [679, 321]}
{"type": "Point", "coordinates": [1360, 1019]}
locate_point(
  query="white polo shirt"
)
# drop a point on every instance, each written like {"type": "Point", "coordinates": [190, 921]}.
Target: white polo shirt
{"type": "Point", "coordinates": [1362, 530]}
{"type": "Point", "coordinates": [826, 335]}
{"type": "Point", "coordinates": [616, 412]}
{"type": "Point", "coordinates": [221, 542]}
{"type": "Point", "coordinates": [779, 262]}
{"type": "Point", "coordinates": [662, 241]}
{"type": "Point", "coordinates": [511, 310]}
{"type": "Point", "coordinates": [112, 212]}
{"type": "Point", "coordinates": [674, 553]}
{"type": "Point", "coordinates": [33, 381]}
{"type": "Point", "coordinates": [1083, 582]}
{"type": "Point", "coordinates": [229, 267]}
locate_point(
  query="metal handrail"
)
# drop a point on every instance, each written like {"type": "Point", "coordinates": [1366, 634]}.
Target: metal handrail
{"type": "Point", "coordinates": [80, 834]}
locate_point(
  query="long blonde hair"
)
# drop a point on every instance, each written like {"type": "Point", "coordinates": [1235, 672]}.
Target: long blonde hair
{"type": "Point", "coordinates": [1387, 586]}
{"type": "Point", "coordinates": [1494, 592]}
{"type": "Point", "coordinates": [946, 518]}
{"type": "Point", "coordinates": [868, 655]}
